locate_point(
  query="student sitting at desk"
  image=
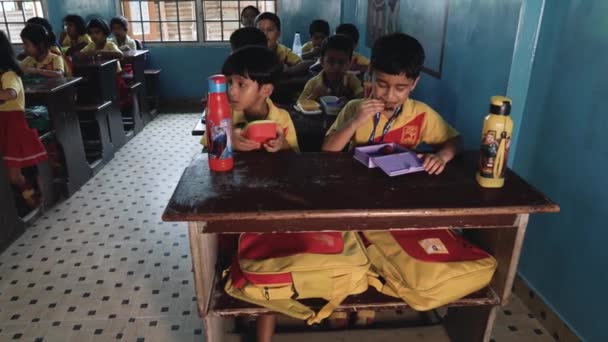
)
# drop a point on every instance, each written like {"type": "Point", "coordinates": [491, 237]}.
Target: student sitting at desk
{"type": "Point", "coordinates": [100, 46]}
{"type": "Point", "coordinates": [247, 36]}
{"type": "Point", "coordinates": [75, 36]}
{"type": "Point", "coordinates": [120, 26]}
{"type": "Point", "coordinates": [270, 24]}
{"type": "Point", "coordinates": [336, 53]}
{"type": "Point", "coordinates": [40, 60]}
{"type": "Point", "coordinates": [55, 47]}
{"type": "Point", "coordinates": [252, 72]}
{"type": "Point", "coordinates": [319, 31]}
{"type": "Point", "coordinates": [390, 116]}
{"type": "Point", "coordinates": [360, 62]}
{"type": "Point", "coordinates": [20, 146]}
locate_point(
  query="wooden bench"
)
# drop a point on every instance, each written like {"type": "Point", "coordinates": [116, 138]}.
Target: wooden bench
{"type": "Point", "coordinates": [94, 125]}
{"type": "Point", "coordinates": [288, 192]}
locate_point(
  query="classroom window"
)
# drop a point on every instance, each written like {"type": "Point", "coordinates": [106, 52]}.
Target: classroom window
{"type": "Point", "coordinates": [222, 17]}
{"type": "Point", "coordinates": [162, 20]}
{"type": "Point", "coordinates": [14, 14]}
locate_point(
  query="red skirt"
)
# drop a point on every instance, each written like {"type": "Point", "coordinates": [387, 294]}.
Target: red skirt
{"type": "Point", "coordinates": [20, 145]}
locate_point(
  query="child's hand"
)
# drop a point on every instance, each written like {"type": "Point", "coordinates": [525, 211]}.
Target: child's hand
{"type": "Point", "coordinates": [432, 163]}
{"type": "Point", "coordinates": [275, 145]}
{"type": "Point", "coordinates": [367, 109]}
{"type": "Point", "coordinates": [240, 143]}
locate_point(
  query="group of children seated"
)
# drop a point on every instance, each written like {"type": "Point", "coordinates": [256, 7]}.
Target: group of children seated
{"type": "Point", "coordinates": [46, 56]}
{"type": "Point", "coordinates": [386, 115]}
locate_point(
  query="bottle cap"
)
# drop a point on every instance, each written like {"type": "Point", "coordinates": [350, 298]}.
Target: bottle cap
{"type": "Point", "coordinates": [500, 105]}
{"type": "Point", "coordinates": [217, 83]}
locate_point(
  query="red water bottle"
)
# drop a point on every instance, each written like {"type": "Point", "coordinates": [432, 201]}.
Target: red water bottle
{"type": "Point", "coordinates": [219, 125]}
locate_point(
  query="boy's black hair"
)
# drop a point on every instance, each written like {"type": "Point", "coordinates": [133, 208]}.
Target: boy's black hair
{"type": "Point", "coordinates": [100, 24]}
{"type": "Point", "coordinates": [77, 20]}
{"type": "Point", "coordinates": [38, 35]}
{"type": "Point", "coordinates": [269, 16]}
{"type": "Point", "coordinates": [349, 30]}
{"type": "Point", "coordinates": [398, 53]}
{"type": "Point", "coordinates": [257, 63]}
{"type": "Point", "coordinates": [320, 26]}
{"type": "Point", "coordinates": [338, 42]}
{"type": "Point", "coordinates": [255, 9]}
{"type": "Point", "coordinates": [247, 36]}
{"type": "Point", "coordinates": [47, 25]}
{"type": "Point", "coordinates": [120, 20]}
{"type": "Point", "coordinates": [8, 61]}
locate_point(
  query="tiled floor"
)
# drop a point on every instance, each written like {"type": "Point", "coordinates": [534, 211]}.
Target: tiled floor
{"type": "Point", "coordinates": [102, 265]}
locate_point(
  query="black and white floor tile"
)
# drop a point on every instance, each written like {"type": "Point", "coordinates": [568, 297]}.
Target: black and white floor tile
{"type": "Point", "coordinates": [102, 266]}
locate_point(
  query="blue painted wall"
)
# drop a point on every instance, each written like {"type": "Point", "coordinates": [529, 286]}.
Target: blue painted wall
{"type": "Point", "coordinates": [296, 16]}
{"type": "Point", "coordinates": [563, 151]}
{"type": "Point", "coordinates": [57, 9]}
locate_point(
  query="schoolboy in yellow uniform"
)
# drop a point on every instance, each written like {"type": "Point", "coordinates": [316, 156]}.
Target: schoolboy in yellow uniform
{"type": "Point", "coordinates": [251, 72]}
{"type": "Point", "coordinates": [270, 24]}
{"type": "Point", "coordinates": [359, 62]}
{"type": "Point", "coordinates": [319, 31]}
{"type": "Point", "coordinates": [390, 115]}
{"type": "Point", "coordinates": [336, 53]}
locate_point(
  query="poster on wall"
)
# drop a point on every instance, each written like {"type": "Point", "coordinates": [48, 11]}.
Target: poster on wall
{"type": "Point", "coordinates": [423, 19]}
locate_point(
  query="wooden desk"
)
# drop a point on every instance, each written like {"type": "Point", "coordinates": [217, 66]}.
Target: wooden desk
{"type": "Point", "coordinates": [323, 191]}
{"type": "Point", "coordinates": [58, 95]}
{"type": "Point", "coordinates": [137, 58]}
{"type": "Point", "coordinates": [310, 129]}
{"type": "Point", "coordinates": [100, 86]}
{"type": "Point", "coordinates": [11, 226]}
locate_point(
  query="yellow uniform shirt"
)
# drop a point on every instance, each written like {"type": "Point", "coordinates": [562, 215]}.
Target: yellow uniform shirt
{"type": "Point", "coordinates": [128, 44]}
{"type": "Point", "coordinates": [51, 62]}
{"type": "Point", "coordinates": [10, 80]}
{"type": "Point", "coordinates": [286, 56]}
{"type": "Point", "coordinates": [67, 42]}
{"type": "Point", "coordinates": [417, 123]}
{"type": "Point", "coordinates": [351, 82]}
{"type": "Point", "coordinates": [359, 59]}
{"type": "Point", "coordinates": [55, 49]}
{"type": "Point", "coordinates": [306, 48]}
{"type": "Point", "coordinates": [276, 114]}
{"type": "Point", "coordinates": [108, 47]}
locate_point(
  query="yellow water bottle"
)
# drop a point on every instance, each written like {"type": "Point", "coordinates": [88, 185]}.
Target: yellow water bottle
{"type": "Point", "coordinates": [495, 143]}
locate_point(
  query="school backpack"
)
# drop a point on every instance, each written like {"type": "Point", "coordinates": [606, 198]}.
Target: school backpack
{"type": "Point", "coordinates": [274, 270]}
{"type": "Point", "coordinates": [427, 268]}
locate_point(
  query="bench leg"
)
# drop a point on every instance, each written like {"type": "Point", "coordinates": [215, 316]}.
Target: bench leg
{"type": "Point", "coordinates": [107, 147]}
{"type": "Point", "coordinates": [116, 127]}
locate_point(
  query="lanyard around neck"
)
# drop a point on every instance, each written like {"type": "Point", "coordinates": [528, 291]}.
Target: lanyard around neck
{"type": "Point", "coordinates": [387, 126]}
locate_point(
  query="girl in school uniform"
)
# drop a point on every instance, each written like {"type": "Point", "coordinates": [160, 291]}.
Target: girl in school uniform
{"type": "Point", "coordinates": [75, 36]}
{"type": "Point", "coordinates": [55, 47]}
{"type": "Point", "coordinates": [20, 146]}
{"type": "Point", "coordinates": [100, 46]}
{"type": "Point", "coordinates": [40, 61]}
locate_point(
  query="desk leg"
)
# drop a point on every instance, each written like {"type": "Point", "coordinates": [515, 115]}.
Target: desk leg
{"type": "Point", "coordinates": [67, 130]}
{"type": "Point", "coordinates": [118, 137]}
{"type": "Point", "coordinates": [505, 245]}
{"type": "Point", "coordinates": [139, 76]}
{"type": "Point", "coordinates": [470, 324]}
{"type": "Point", "coordinates": [11, 225]}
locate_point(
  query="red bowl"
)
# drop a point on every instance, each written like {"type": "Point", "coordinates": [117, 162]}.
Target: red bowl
{"type": "Point", "coordinates": [261, 131]}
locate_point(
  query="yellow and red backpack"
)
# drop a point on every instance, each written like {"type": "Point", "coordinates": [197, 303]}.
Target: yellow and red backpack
{"type": "Point", "coordinates": [427, 268]}
{"type": "Point", "coordinates": [274, 270]}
